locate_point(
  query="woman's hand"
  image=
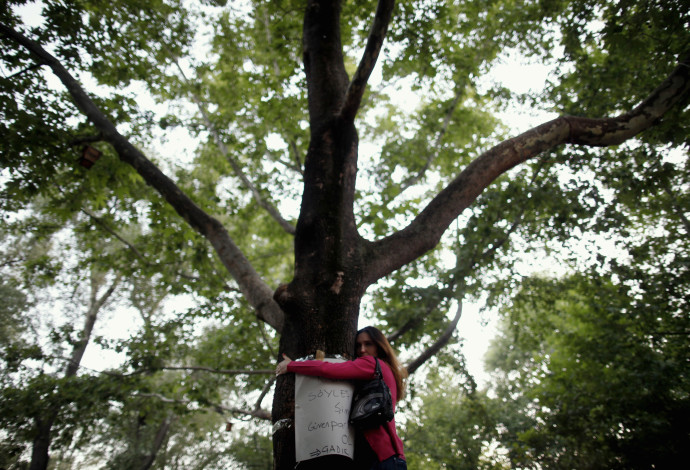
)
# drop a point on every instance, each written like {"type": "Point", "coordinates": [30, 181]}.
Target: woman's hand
{"type": "Point", "coordinates": [281, 368]}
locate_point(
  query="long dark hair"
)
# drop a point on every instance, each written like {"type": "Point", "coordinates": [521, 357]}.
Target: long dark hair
{"type": "Point", "coordinates": [384, 351]}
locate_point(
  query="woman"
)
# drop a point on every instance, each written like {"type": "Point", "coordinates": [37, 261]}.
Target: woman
{"type": "Point", "coordinates": [381, 448]}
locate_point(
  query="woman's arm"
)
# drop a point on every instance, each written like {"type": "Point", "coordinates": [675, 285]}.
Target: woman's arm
{"type": "Point", "coordinates": [361, 368]}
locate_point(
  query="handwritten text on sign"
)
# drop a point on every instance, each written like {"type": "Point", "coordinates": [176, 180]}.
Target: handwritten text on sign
{"type": "Point", "coordinates": [322, 409]}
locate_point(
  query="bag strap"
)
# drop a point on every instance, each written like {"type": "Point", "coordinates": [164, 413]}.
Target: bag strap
{"type": "Point", "coordinates": [377, 371]}
{"type": "Point", "coordinates": [394, 443]}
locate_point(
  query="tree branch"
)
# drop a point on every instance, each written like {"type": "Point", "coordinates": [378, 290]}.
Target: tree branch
{"type": "Point", "coordinates": [107, 228]}
{"type": "Point", "coordinates": [26, 69]}
{"type": "Point", "coordinates": [298, 166]}
{"type": "Point", "coordinates": [410, 324]}
{"type": "Point", "coordinates": [355, 91]}
{"type": "Point", "coordinates": [154, 369]}
{"type": "Point", "coordinates": [219, 371]}
{"type": "Point", "coordinates": [258, 294]}
{"type": "Point", "coordinates": [459, 270]}
{"type": "Point", "coordinates": [264, 392]}
{"type": "Point", "coordinates": [269, 39]}
{"type": "Point", "coordinates": [129, 245]}
{"type": "Point", "coordinates": [95, 305]}
{"type": "Point", "coordinates": [412, 180]}
{"type": "Point", "coordinates": [462, 267]}
{"type": "Point", "coordinates": [200, 368]}
{"type": "Point", "coordinates": [85, 139]}
{"type": "Point", "coordinates": [261, 414]}
{"type": "Point", "coordinates": [439, 344]}
{"type": "Point", "coordinates": [264, 336]}
{"type": "Point", "coordinates": [158, 440]}
{"type": "Point", "coordinates": [425, 231]}
{"type": "Point", "coordinates": [272, 211]}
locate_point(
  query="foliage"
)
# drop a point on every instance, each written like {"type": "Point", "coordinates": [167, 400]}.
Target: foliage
{"type": "Point", "coordinates": [228, 78]}
{"type": "Point", "coordinates": [14, 302]}
{"type": "Point", "coordinates": [451, 427]}
{"type": "Point", "coordinates": [253, 450]}
{"type": "Point", "coordinates": [591, 377]}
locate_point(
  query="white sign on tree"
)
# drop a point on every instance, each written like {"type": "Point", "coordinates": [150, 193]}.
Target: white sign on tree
{"type": "Point", "coordinates": [322, 410]}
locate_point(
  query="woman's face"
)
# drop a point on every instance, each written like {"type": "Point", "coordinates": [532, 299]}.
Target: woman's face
{"type": "Point", "coordinates": [364, 346]}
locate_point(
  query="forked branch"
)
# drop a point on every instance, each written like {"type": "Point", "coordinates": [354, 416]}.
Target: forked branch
{"type": "Point", "coordinates": [425, 231]}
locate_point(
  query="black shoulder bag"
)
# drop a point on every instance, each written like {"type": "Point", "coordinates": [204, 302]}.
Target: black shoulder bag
{"type": "Point", "coordinates": [372, 404]}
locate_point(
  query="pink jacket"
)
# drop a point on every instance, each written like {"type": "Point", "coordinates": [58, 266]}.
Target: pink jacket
{"type": "Point", "coordinates": [383, 440]}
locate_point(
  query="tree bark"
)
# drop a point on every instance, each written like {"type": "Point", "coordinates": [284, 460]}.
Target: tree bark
{"type": "Point", "coordinates": [322, 302]}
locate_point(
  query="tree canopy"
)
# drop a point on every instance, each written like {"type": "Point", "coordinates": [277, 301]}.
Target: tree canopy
{"type": "Point", "coordinates": [588, 376]}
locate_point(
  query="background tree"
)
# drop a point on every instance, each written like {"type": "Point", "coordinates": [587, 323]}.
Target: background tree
{"type": "Point", "coordinates": [451, 426]}
{"type": "Point", "coordinates": [275, 116]}
{"type": "Point", "coordinates": [43, 402]}
{"type": "Point", "coordinates": [591, 377]}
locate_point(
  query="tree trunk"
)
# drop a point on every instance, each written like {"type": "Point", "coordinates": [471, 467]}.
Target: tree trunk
{"type": "Point", "coordinates": [148, 459]}
{"type": "Point", "coordinates": [41, 445]}
{"type": "Point", "coordinates": [322, 302]}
